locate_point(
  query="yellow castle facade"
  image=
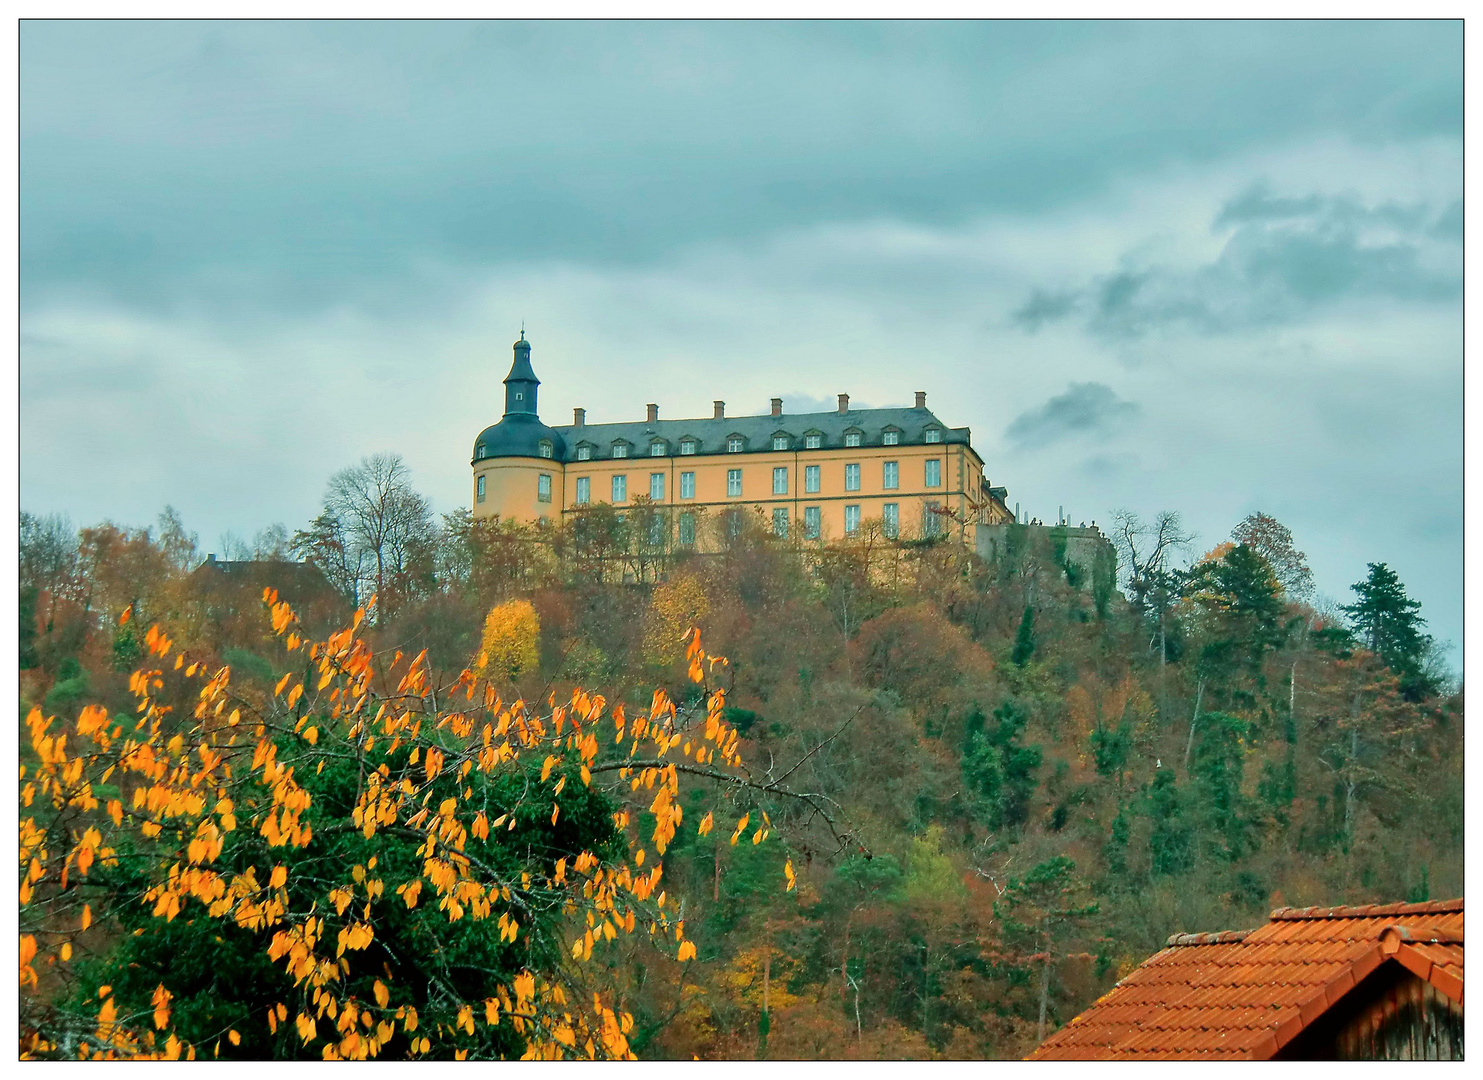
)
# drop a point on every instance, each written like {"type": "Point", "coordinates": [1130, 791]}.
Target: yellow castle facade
{"type": "Point", "coordinates": [816, 476]}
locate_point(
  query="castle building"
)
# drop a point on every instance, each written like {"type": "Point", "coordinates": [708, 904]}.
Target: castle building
{"type": "Point", "coordinates": [815, 476]}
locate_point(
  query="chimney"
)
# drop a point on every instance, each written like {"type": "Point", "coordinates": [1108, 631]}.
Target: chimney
{"type": "Point", "coordinates": [921, 399]}
{"type": "Point", "coordinates": [720, 409]}
{"type": "Point", "coordinates": [579, 417]}
{"type": "Point", "coordinates": [844, 403]}
{"type": "Point", "coordinates": [653, 412]}
{"type": "Point", "coordinates": [777, 406]}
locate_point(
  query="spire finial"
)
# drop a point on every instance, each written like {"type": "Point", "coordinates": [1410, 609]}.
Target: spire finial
{"type": "Point", "coordinates": [522, 329]}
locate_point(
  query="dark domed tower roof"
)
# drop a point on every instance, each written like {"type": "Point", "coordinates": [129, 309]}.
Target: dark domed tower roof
{"type": "Point", "coordinates": [519, 435]}
{"type": "Point", "coordinates": [520, 432]}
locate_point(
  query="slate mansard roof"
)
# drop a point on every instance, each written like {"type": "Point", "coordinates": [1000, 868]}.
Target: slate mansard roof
{"type": "Point", "coordinates": [711, 434]}
{"type": "Point", "coordinates": [1245, 994]}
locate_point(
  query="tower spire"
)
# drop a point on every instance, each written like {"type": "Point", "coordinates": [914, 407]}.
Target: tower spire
{"type": "Point", "coordinates": [521, 382]}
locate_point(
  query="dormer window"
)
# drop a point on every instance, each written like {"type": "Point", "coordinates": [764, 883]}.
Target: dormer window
{"type": "Point", "coordinates": [584, 453]}
{"type": "Point", "coordinates": [545, 448]}
{"type": "Point", "coordinates": [479, 454]}
{"type": "Point", "coordinates": [657, 448]}
{"type": "Point", "coordinates": [934, 435]}
{"type": "Point", "coordinates": [620, 450]}
{"type": "Point", "coordinates": [734, 444]}
{"type": "Point", "coordinates": [852, 438]}
{"type": "Point", "coordinates": [812, 442]}
{"type": "Point", "coordinates": [780, 442]}
{"type": "Point", "coordinates": [891, 437]}
{"type": "Point", "coordinates": [687, 446]}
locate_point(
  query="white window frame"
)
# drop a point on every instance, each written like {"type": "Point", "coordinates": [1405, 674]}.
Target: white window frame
{"type": "Point", "coordinates": [780, 442]}
{"type": "Point", "coordinates": [813, 522]}
{"type": "Point", "coordinates": [851, 519]}
{"type": "Point", "coordinates": [851, 438]}
{"type": "Point", "coordinates": [479, 489]}
{"type": "Point", "coordinates": [780, 522]}
{"type": "Point", "coordinates": [584, 491]}
{"type": "Point", "coordinates": [734, 444]}
{"type": "Point", "coordinates": [620, 450]}
{"type": "Point", "coordinates": [620, 487]}
{"type": "Point", "coordinates": [934, 435]}
{"type": "Point", "coordinates": [930, 467]}
{"type": "Point", "coordinates": [852, 477]}
{"type": "Point", "coordinates": [656, 486]}
{"type": "Point", "coordinates": [543, 487]}
{"type": "Point", "coordinates": [584, 453]}
{"type": "Point", "coordinates": [891, 438]}
{"type": "Point", "coordinates": [657, 448]}
{"type": "Point", "coordinates": [687, 485]}
{"type": "Point", "coordinates": [733, 483]}
{"type": "Point", "coordinates": [812, 442]}
{"type": "Point", "coordinates": [780, 480]}
{"type": "Point", "coordinates": [687, 528]}
{"type": "Point", "coordinates": [811, 475]}
{"type": "Point", "coordinates": [545, 448]}
{"type": "Point", "coordinates": [891, 519]}
{"type": "Point", "coordinates": [687, 447]}
{"type": "Point", "coordinates": [890, 475]}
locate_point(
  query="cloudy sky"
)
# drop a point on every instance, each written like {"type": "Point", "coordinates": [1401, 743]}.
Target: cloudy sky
{"type": "Point", "coordinates": [1207, 267]}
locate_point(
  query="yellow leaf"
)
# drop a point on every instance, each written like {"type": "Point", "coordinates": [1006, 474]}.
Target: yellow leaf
{"type": "Point", "coordinates": [279, 876]}
{"type": "Point", "coordinates": [382, 994]}
{"type": "Point", "coordinates": [234, 1038]}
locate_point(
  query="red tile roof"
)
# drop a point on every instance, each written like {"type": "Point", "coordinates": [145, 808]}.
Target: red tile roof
{"type": "Point", "coordinates": [1244, 994]}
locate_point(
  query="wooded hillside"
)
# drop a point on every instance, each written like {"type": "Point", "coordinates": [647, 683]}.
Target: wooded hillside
{"type": "Point", "coordinates": [990, 789]}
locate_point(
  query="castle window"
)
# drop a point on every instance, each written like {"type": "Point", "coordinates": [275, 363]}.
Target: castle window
{"type": "Point", "coordinates": [780, 481]}
{"type": "Point", "coordinates": [584, 490]}
{"type": "Point", "coordinates": [687, 485]}
{"type": "Point", "coordinates": [543, 488]}
{"type": "Point", "coordinates": [545, 448]}
{"type": "Point", "coordinates": [734, 444]}
{"type": "Point", "coordinates": [852, 478]}
{"type": "Point", "coordinates": [733, 481]}
{"type": "Point", "coordinates": [891, 438]}
{"type": "Point", "coordinates": [934, 435]}
{"type": "Point", "coordinates": [933, 472]}
{"type": "Point", "coordinates": [811, 479]}
{"type": "Point", "coordinates": [780, 442]}
{"type": "Point", "coordinates": [891, 520]}
{"type": "Point", "coordinates": [687, 528]}
{"type": "Point", "coordinates": [479, 489]}
{"type": "Point", "coordinates": [656, 486]}
{"type": "Point", "coordinates": [687, 446]}
{"type": "Point", "coordinates": [812, 442]}
{"type": "Point", "coordinates": [851, 520]}
{"type": "Point", "coordinates": [852, 438]}
{"type": "Point", "coordinates": [780, 522]}
{"type": "Point", "coordinates": [656, 449]}
{"type": "Point", "coordinates": [620, 489]}
{"type": "Point", "coordinates": [656, 531]}
{"type": "Point", "coordinates": [620, 450]}
{"type": "Point", "coordinates": [479, 453]}
{"type": "Point", "coordinates": [931, 520]}
{"type": "Point", "coordinates": [890, 475]}
{"type": "Point", "coordinates": [811, 522]}
{"type": "Point", "coordinates": [584, 453]}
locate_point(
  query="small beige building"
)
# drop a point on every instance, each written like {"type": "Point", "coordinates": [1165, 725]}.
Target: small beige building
{"type": "Point", "coordinates": [812, 476]}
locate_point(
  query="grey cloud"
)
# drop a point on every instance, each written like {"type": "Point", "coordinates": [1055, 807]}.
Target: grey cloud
{"type": "Point", "coordinates": [1084, 409]}
{"type": "Point", "coordinates": [1044, 307]}
{"type": "Point", "coordinates": [1285, 258]}
{"type": "Point", "coordinates": [306, 164]}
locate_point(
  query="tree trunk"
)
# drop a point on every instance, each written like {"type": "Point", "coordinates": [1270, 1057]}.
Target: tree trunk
{"type": "Point", "coordinates": [1190, 745]}
{"type": "Point", "coordinates": [716, 888]}
{"type": "Point", "coordinates": [1044, 999]}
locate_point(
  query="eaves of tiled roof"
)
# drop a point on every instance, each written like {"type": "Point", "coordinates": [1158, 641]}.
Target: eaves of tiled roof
{"type": "Point", "coordinates": [1246, 994]}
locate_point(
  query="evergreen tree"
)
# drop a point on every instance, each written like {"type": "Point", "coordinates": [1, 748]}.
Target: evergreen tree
{"type": "Point", "coordinates": [1389, 623]}
{"type": "Point", "coordinates": [1024, 641]}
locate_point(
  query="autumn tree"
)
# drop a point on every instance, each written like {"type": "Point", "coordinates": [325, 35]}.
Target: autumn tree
{"type": "Point", "coordinates": [355, 863]}
{"type": "Point", "coordinates": [1273, 541]}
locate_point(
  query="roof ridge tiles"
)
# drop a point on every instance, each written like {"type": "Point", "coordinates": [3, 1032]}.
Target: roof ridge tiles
{"type": "Point", "coordinates": [1220, 937]}
{"type": "Point", "coordinates": [1367, 910]}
